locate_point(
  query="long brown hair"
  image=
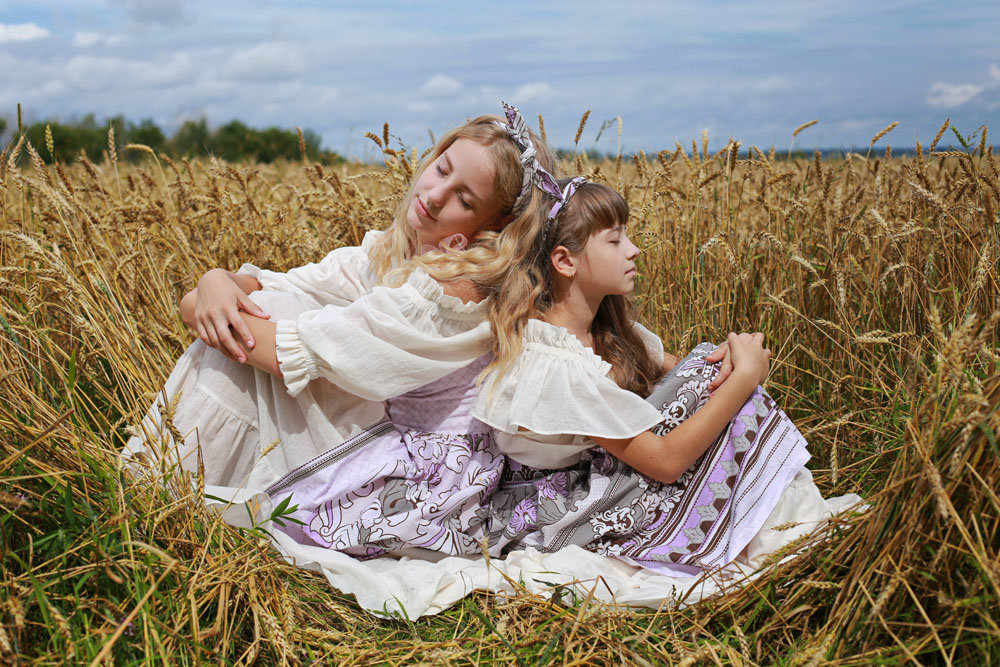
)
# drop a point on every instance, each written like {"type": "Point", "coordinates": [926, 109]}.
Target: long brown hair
{"type": "Point", "coordinates": [526, 289]}
{"type": "Point", "coordinates": [394, 254]}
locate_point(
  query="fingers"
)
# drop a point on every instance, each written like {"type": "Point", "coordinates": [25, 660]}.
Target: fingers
{"type": "Point", "coordinates": [203, 335]}
{"type": "Point", "coordinates": [720, 377]}
{"type": "Point", "coordinates": [718, 353]}
{"type": "Point", "coordinates": [725, 369]}
{"type": "Point", "coordinates": [226, 342]}
{"type": "Point", "coordinates": [240, 327]}
{"type": "Point", "coordinates": [248, 306]}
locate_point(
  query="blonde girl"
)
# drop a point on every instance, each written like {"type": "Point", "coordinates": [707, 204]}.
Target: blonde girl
{"type": "Point", "coordinates": [679, 482]}
{"type": "Point", "coordinates": [362, 326]}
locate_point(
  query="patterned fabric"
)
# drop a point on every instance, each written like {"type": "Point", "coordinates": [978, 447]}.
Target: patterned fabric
{"type": "Point", "coordinates": [432, 482]}
{"type": "Point", "coordinates": [415, 485]}
{"type": "Point", "coordinates": [534, 173]}
{"type": "Point", "coordinates": [566, 193]}
{"type": "Point", "coordinates": [703, 520]}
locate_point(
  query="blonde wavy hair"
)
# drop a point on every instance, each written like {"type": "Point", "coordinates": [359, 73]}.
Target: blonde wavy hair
{"type": "Point", "coordinates": [394, 254]}
{"type": "Point", "coordinates": [525, 290]}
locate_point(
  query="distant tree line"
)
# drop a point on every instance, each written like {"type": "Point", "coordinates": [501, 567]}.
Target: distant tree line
{"type": "Point", "coordinates": [234, 141]}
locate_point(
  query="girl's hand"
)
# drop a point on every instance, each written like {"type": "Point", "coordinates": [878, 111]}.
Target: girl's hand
{"type": "Point", "coordinates": [721, 353]}
{"type": "Point", "coordinates": [750, 357]}
{"type": "Point", "coordinates": [217, 314]}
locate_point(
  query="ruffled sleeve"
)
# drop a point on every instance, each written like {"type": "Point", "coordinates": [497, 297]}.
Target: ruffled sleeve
{"type": "Point", "coordinates": [386, 343]}
{"type": "Point", "coordinates": [654, 346]}
{"type": "Point", "coordinates": [557, 386]}
{"type": "Point", "coordinates": [340, 278]}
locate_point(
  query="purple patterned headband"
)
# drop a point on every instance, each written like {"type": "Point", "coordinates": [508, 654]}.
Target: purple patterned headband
{"type": "Point", "coordinates": [534, 173]}
{"type": "Point", "coordinates": [564, 196]}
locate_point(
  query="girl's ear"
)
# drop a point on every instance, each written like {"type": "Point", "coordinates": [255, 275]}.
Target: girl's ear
{"type": "Point", "coordinates": [563, 261]}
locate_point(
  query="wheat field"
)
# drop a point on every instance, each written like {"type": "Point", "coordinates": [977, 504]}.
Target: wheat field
{"type": "Point", "coordinates": [873, 277]}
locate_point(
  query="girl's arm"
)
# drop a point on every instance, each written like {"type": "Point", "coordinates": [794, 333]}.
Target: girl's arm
{"type": "Point", "coordinates": [264, 353]}
{"type": "Point", "coordinates": [213, 310]}
{"type": "Point", "coordinates": [665, 457]}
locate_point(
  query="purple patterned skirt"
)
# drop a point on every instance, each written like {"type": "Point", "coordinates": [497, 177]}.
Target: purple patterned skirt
{"type": "Point", "coordinates": [417, 485]}
{"type": "Point", "coordinates": [701, 521]}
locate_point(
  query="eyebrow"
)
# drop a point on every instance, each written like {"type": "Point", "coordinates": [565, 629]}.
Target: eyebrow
{"type": "Point", "coordinates": [465, 187]}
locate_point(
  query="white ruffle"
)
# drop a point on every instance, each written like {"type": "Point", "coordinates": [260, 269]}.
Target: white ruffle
{"type": "Point", "coordinates": [410, 335]}
{"type": "Point", "coordinates": [344, 275]}
{"type": "Point", "coordinates": [298, 367]}
{"type": "Point", "coordinates": [558, 386]}
{"type": "Point", "coordinates": [432, 292]}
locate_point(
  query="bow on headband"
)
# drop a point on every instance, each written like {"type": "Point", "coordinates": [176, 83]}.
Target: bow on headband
{"type": "Point", "coordinates": [534, 173]}
{"type": "Point", "coordinates": [564, 197]}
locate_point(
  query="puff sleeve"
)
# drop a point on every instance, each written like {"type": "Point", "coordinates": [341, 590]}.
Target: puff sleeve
{"type": "Point", "coordinates": [384, 344]}
{"type": "Point", "coordinates": [340, 278]}
{"type": "Point", "coordinates": [557, 387]}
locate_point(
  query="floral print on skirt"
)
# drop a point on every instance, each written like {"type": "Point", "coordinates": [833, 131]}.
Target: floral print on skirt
{"type": "Point", "coordinates": [414, 485]}
{"type": "Point", "coordinates": [701, 521]}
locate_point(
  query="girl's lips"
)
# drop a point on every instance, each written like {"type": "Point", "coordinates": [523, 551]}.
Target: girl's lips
{"type": "Point", "coordinates": [423, 210]}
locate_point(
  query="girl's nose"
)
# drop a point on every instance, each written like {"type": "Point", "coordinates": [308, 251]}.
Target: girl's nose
{"type": "Point", "coordinates": [435, 196]}
{"type": "Point", "coordinates": [631, 249]}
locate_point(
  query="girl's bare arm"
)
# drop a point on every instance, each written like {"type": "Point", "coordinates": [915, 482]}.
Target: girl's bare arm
{"type": "Point", "coordinates": [212, 310]}
{"type": "Point", "coordinates": [264, 353]}
{"type": "Point", "coordinates": [665, 457]}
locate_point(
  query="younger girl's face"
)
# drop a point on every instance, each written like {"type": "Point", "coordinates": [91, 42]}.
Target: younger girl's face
{"type": "Point", "coordinates": [454, 195]}
{"type": "Point", "coordinates": [607, 263]}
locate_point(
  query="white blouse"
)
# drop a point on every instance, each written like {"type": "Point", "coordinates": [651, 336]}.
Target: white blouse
{"type": "Point", "coordinates": [407, 337]}
{"type": "Point", "coordinates": [343, 276]}
{"type": "Point", "coordinates": [557, 395]}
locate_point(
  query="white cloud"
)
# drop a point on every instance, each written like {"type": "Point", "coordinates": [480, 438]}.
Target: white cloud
{"type": "Point", "coordinates": [531, 92]}
{"type": "Point", "coordinates": [94, 73]}
{"type": "Point", "coordinates": [21, 32]}
{"type": "Point", "coordinates": [994, 72]}
{"type": "Point", "coordinates": [273, 60]}
{"type": "Point", "coordinates": [949, 95]}
{"type": "Point", "coordinates": [772, 85]}
{"type": "Point", "coordinates": [440, 85]}
{"type": "Point", "coordinates": [88, 39]}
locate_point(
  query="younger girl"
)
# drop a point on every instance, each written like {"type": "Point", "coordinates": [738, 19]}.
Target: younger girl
{"type": "Point", "coordinates": [678, 484]}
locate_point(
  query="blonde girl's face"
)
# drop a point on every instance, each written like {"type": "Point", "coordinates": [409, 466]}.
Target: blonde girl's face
{"type": "Point", "coordinates": [454, 195]}
{"type": "Point", "coordinates": [607, 263]}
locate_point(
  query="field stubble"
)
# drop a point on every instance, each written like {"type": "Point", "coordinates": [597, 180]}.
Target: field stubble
{"type": "Point", "coordinates": [874, 279]}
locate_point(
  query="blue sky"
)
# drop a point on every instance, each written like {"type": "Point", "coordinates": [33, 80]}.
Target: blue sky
{"type": "Point", "coordinates": [753, 71]}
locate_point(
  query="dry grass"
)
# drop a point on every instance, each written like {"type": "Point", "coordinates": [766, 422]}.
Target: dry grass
{"type": "Point", "coordinates": [874, 279]}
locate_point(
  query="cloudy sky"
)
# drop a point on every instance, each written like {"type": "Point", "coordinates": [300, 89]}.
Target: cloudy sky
{"type": "Point", "coordinates": [749, 70]}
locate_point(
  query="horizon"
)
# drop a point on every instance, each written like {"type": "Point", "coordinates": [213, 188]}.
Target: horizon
{"type": "Point", "coordinates": [669, 70]}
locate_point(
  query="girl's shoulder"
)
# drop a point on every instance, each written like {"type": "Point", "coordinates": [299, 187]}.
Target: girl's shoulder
{"type": "Point", "coordinates": [542, 338]}
{"type": "Point", "coordinates": [426, 292]}
{"type": "Point", "coordinates": [558, 386]}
